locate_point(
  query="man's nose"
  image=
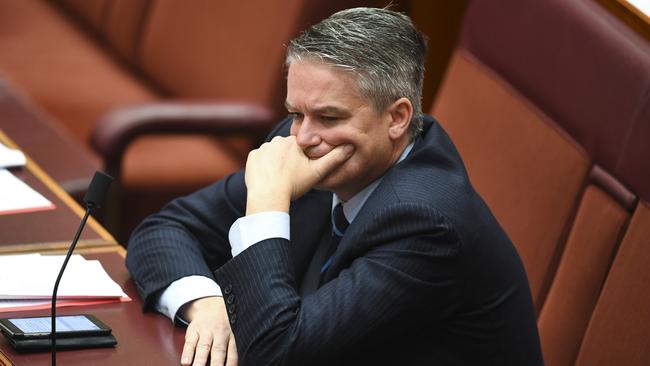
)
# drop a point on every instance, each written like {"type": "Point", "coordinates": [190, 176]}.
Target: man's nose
{"type": "Point", "coordinates": [307, 134]}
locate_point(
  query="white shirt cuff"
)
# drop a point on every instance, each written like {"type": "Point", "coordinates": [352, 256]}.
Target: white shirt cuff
{"type": "Point", "coordinates": [254, 228]}
{"type": "Point", "coordinates": [184, 290]}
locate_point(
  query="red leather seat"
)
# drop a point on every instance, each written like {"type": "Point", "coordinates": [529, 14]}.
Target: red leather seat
{"type": "Point", "coordinates": [121, 61]}
{"type": "Point", "coordinates": [549, 105]}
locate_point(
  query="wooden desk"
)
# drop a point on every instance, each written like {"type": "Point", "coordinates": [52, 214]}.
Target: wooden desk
{"type": "Point", "coordinates": [42, 139]}
{"type": "Point", "coordinates": [143, 339]}
{"type": "Point", "coordinates": [50, 230]}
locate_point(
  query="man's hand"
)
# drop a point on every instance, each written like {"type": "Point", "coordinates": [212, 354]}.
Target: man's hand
{"type": "Point", "coordinates": [279, 172]}
{"type": "Point", "coordinates": [209, 333]}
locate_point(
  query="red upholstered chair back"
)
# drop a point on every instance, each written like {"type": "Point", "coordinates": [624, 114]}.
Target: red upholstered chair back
{"type": "Point", "coordinates": [205, 49]}
{"type": "Point", "coordinates": [548, 103]}
{"type": "Point", "coordinates": [201, 50]}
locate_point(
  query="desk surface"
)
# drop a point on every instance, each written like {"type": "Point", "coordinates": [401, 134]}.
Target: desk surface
{"type": "Point", "coordinates": [22, 125]}
{"type": "Point", "coordinates": [143, 339]}
{"type": "Point", "coordinates": [51, 229]}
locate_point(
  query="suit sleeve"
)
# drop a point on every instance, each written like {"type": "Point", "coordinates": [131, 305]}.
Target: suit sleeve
{"type": "Point", "coordinates": [189, 236]}
{"type": "Point", "coordinates": [381, 294]}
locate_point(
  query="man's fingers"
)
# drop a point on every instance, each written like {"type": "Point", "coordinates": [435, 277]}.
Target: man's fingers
{"type": "Point", "coordinates": [202, 351]}
{"type": "Point", "coordinates": [333, 159]}
{"type": "Point", "coordinates": [191, 338]}
{"type": "Point", "coordinates": [208, 335]}
{"type": "Point", "coordinates": [232, 357]}
{"type": "Point", "coordinates": [218, 353]}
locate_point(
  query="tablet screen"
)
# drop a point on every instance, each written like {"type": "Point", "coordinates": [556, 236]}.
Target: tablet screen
{"type": "Point", "coordinates": [73, 323]}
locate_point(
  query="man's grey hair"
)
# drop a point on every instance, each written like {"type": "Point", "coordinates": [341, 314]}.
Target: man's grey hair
{"type": "Point", "coordinates": [380, 47]}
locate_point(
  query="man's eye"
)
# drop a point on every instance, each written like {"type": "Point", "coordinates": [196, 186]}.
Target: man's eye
{"type": "Point", "coordinates": [329, 118]}
{"type": "Point", "coordinates": [295, 115]}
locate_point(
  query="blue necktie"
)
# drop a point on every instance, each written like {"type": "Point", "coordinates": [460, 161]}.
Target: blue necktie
{"type": "Point", "coordinates": [339, 225]}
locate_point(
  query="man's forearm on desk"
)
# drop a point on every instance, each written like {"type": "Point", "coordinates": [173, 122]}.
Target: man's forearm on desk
{"type": "Point", "coordinates": [246, 231]}
{"type": "Point", "coordinates": [183, 291]}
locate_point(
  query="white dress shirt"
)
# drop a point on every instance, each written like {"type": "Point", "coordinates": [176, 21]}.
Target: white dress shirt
{"type": "Point", "coordinates": [245, 232]}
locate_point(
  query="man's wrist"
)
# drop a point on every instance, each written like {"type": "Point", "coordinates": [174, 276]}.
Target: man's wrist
{"type": "Point", "coordinates": [263, 200]}
{"type": "Point", "coordinates": [183, 291]}
{"type": "Point", "coordinates": [188, 310]}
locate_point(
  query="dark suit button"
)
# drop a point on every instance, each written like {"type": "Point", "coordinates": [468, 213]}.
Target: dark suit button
{"type": "Point", "coordinates": [233, 318]}
{"type": "Point", "coordinates": [227, 290]}
{"type": "Point", "coordinates": [230, 299]}
{"type": "Point", "coordinates": [231, 309]}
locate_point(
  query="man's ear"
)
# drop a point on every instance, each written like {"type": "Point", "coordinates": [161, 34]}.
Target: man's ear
{"type": "Point", "coordinates": [400, 112]}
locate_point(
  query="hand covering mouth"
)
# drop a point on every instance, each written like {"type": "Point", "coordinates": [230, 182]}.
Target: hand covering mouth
{"type": "Point", "coordinates": [317, 152]}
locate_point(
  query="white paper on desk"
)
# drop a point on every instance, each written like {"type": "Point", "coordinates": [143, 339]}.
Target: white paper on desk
{"type": "Point", "coordinates": [10, 157]}
{"type": "Point", "coordinates": [16, 196]}
{"type": "Point", "coordinates": [32, 277]}
{"type": "Point", "coordinates": [24, 305]}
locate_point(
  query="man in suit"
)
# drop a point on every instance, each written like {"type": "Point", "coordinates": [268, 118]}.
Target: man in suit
{"type": "Point", "coordinates": [352, 237]}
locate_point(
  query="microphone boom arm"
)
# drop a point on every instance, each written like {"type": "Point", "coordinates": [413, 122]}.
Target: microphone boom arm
{"type": "Point", "coordinates": [94, 198]}
{"type": "Point", "coordinates": [58, 279]}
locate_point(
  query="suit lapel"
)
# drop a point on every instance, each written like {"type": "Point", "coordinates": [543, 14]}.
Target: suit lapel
{"type": "Point", "coordinates": [354, 243]}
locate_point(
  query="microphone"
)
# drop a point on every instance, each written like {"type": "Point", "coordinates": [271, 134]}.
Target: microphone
{"type": "Point", "coordinates": [94, 198]}
{"type": "Point", "coordinates": [97, 189]}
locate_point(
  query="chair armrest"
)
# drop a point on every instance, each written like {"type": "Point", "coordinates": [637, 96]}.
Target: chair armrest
{"type": "Point", "coordinates": [115, 130]}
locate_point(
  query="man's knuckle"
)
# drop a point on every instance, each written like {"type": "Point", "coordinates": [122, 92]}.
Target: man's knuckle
{"type": "Point", "coordinates": [191, 336]}
{"type": "Point", "coordinates": [203, 346]}
{"type": "Point", "coordinates": [218, 348]}
{"type": "Point", "coordinates": [223, 327]}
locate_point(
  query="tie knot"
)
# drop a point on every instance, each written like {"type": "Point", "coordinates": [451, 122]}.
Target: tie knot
{"type": "Point", "coordinates": [339, 222]}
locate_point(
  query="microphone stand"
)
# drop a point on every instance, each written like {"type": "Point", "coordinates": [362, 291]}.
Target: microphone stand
{"type": "Point", "coordinates": [89, 208]}
{"type": "Point", "coordinates": [94, 197]}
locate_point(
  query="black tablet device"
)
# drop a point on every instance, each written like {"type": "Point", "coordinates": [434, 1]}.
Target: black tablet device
{"type": "Point", "coordinates": [66, 326]}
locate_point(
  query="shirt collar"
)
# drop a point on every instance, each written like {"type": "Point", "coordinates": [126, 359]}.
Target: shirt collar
{"type": "Point", "coordinates": [352, 206]}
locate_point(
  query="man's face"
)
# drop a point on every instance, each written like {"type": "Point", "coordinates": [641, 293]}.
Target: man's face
{"type": "Point", "coordinates": [328, 111]}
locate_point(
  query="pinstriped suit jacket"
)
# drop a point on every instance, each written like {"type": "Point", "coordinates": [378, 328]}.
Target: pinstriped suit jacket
{"type": "Point", "coordinates": [423, 276]}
